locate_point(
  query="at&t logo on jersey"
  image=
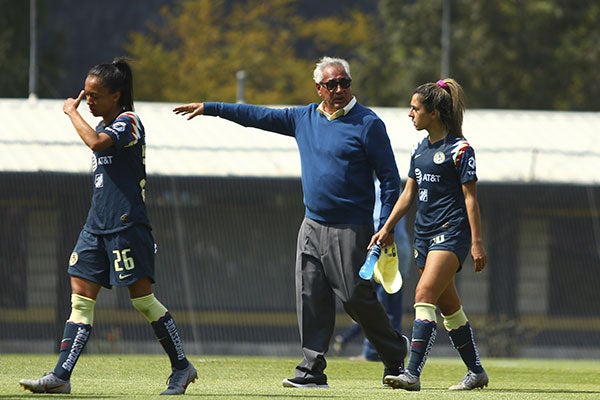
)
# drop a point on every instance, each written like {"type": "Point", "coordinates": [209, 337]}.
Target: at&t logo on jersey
{"type": "Point", "coordinates": [105, 160]}
{"type": "Point", "coordinates": [102, 160]}
{"type": "Point", "coordinates": [418, 175]}
{"type": "Point", "coordinates": [421, 177]}
{"type": "Point", "coordinates": [430, 178]}
{"type": "Point", "coordinates": [423, 195]}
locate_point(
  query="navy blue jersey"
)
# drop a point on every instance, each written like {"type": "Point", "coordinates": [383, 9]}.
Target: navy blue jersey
{"type": "Point", "coordinates": [119, 178]}
{"type": "Point", "coordinates": [440, 169]}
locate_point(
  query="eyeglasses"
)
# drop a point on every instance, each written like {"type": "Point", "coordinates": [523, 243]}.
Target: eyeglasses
{"type": "Point", "coordinates": [333, 84]}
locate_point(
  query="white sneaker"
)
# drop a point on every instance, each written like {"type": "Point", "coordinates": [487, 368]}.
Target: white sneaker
{"type": "Point", "coordinates": [405, 380]}
{"type": "Point", "coordinates": [472, 381]}
{"type": "Point", "coordinates": [49, 383]}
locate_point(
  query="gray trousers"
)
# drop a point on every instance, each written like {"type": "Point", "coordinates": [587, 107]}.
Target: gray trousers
{"type": "Point", "coordinates": [328, 257]}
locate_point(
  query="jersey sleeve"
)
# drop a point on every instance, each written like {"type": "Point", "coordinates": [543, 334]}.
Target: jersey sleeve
{"type": "Point", "coordinates": [125, 130]}
{"type": "Point", "coordinates": [278, 120]}
{"type": "Point", "coordinates": [464, 160]}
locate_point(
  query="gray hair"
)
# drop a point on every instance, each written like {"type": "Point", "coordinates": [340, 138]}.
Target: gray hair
{"type": "Point", "coordinates": [327, 62]}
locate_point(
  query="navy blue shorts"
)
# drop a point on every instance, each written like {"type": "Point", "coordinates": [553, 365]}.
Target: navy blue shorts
{"type": "Point", "coordinates": [457, 241]}
{"type": "Point", "coordinates": [117, 259]}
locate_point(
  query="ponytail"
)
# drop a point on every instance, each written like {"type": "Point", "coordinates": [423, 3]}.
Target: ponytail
{"type": "Point", "coordinates": [447, 97]}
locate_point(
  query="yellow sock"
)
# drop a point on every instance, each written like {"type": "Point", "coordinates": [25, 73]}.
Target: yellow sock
{"type": "Point", "coordinates": [82, 310]}
{"type": "Point", "coordinates": [456, 320]}
{"type": "Point", "coordinates": [150, 307]}
{"type": "Point", "coordinates": [425, 312]}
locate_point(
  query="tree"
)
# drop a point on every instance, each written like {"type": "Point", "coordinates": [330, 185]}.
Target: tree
{"type": "Point", "coordinates": [412, 31]}
{"type": "Point", "coordinates": [14, 48]}
{"type": "Point", "coordinates": [537, 54]}
{"type": "Point", "coordinates": [14, 52]}
{"type": "Point", "coordinates": [578, 57]}
{"type": "Point", "coordinates": [197, 50]}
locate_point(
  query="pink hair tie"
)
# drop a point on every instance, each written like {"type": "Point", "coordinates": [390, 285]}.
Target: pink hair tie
{"type": "Point", "coordinates": [442, 84]}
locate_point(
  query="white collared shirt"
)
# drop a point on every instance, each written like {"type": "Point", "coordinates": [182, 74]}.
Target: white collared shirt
{"type": "Point", "coordinates": [338, 113]}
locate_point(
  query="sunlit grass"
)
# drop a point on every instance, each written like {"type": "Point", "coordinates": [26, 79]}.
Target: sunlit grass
{"type": "Point", "coordinates": [229, 377]}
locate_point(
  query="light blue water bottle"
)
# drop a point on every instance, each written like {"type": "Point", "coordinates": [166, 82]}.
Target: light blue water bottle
{"type": "Point", "coordinates": [366, 271]}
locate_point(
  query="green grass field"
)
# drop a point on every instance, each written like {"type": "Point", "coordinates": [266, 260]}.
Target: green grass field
{"type": "Point", "coordinates": [228, 377]}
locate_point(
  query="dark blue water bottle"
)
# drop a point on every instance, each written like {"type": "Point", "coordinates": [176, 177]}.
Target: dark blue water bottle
{"type": "Point", "coordinates": [366, 271]}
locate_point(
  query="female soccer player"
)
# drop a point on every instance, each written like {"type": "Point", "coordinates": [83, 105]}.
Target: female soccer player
{"type": "Point", "coordinates": [115, 246]}
{"type": "Point", "coordinates": [443, 180]}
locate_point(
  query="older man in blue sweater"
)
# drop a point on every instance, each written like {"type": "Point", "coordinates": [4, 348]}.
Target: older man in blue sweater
{"type": "Point", "coordinates": [342, 146]}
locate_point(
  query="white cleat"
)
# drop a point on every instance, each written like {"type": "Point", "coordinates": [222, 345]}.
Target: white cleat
{"type": "Point", "coordinates": [49, 383]}
{"type": "Point", "coordinates": [472, 381]}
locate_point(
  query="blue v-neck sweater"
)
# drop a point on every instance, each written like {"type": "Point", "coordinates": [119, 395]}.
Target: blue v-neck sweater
{"type": "Point", "coordinates": [338, 158]}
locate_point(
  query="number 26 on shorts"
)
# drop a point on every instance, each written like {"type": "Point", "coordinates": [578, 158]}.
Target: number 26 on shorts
{"type": "Point", "coordinates": [123, 257]}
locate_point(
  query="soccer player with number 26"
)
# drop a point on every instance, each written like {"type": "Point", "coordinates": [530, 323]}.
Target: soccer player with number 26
{"type": "Point", "coordinates": [115, 246]}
